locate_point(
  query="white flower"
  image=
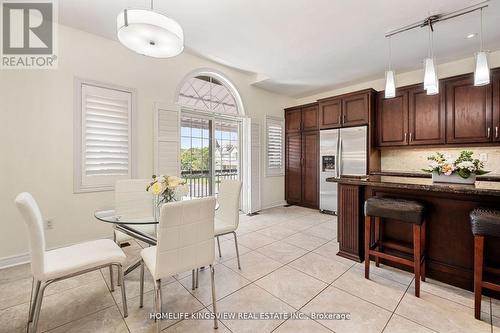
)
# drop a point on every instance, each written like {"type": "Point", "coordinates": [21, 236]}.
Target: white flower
{"type": "Point", "coordinates": [467, 165]}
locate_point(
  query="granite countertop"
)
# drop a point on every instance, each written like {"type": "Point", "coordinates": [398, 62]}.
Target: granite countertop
{"type": "Point", "coordinates": [415, 174]}
{"type": "Point", "coordinates": [486, 188]}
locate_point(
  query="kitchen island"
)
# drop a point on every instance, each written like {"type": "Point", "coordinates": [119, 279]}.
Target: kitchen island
{"type": "Point", "coordinates": [449, 240]}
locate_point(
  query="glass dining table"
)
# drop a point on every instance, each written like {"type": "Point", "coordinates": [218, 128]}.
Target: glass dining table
{"type": "Point", "coordinates": [126, 226]}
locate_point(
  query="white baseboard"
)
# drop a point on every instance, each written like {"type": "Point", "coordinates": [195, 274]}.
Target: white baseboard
{"type": "Point", "coordinates": [274, 204]}
{"type": "Point", "coordinates": [18, 259]}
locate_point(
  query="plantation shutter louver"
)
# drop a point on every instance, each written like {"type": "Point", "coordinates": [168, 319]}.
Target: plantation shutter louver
{"type": "Point", "coordinates": [167, 153]}
{"type": "Point", "coordinates": [275, 164]}
{"type": "Point", "coordinates": [105, 155]}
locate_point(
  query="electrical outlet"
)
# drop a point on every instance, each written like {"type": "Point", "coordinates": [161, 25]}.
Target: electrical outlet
{"type": "Point", "coordinates": [483, 157]}
{"type": "Point", "coordinates": [49, 224]}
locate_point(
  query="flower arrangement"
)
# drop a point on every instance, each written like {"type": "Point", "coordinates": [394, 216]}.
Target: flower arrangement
{"type": "Point", "coordinates": [464, 166]}
{"type": "Point", "coordinates": [167, 188]}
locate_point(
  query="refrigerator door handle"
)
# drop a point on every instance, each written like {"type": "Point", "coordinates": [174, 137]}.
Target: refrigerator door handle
{"type": "Point", "coordinates": [339, 154]}
{"type": "Point", "coordinates": [337, 162]}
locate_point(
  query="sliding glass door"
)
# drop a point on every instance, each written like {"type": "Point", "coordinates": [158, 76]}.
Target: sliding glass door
{"type": "Point", "coordinates": [210, 152]}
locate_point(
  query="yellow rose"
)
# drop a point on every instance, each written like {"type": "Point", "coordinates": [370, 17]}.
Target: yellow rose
{"type": "Point", "coordinates": [156, 188]}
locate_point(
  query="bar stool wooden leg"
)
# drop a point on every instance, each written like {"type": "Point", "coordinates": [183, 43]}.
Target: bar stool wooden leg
{"type": "Point", "coordinates": [416, 257]}
{"type": "Point", "coordinates": [367, 246]}
{"type": "Point", "coordinates": [377, 239]}
{"type": "Point", "coordinates": [422, 247]}
{"type": "Point", "coordinates": [478, 274]}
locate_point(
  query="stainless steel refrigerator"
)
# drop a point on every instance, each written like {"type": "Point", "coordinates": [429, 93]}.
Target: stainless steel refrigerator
{"type": "Point", "coordinates": [342, 152]}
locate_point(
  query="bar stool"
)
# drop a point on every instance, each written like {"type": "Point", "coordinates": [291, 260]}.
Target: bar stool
{"type": "Point", "coordinates": [484, 222]}
{"type": "Point", "coordinates": [407, 211]}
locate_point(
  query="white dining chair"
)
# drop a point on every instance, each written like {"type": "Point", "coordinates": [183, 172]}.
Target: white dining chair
{"type": "Point", "coordinates": [227, 216]}
{"type": "Point", "coordinates": [51, 266]}
{"type": "Point", "coordinates": [185, 242]}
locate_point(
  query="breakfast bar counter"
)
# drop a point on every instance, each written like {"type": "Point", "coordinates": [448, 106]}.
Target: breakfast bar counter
{"type": "Point", "coordinates": [449, 240]}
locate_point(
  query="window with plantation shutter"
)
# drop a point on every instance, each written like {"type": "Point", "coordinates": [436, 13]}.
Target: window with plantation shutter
{"type": "Point", "coordinates": [274, 144]}
{"type": "Point", "coordinates": [103, 127]}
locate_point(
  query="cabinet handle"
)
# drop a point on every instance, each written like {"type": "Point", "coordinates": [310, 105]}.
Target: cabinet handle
{"type": "Point", "coordinates": [343, 119]}
{"type": "Point", "coordinates": [340, 119]}
{"type": "Point", "coordinates": [489, 131]}
{"type": "Point", "coordinates": [496, 132]}
{"type": "Point", "coordinates": [405, 136]}
{"type": "Point", "coordinates": [410, 136]}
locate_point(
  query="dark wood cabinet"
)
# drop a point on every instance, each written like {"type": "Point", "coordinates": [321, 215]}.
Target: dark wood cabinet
{"type": "Point", "coordinates": [496, 105]}
{"type": "Point", "coordinates": [426, 118]}
{"type": "Point", "coordinates": [468, 111]}
{"type": "Point", "coordinates": [346, 110]}
{"type": "Point", "coordinates": [330, 113]}
{"type": "Point", "coordinates": [293, 166]}
{"type": "Point", "coordinates": [350, 232]}
{"type": "Point", "coordinates": [310, 118]}
{"type": "Point", "coordinates": [293, 120]}
{"type": "Point", "coordinates": [310, 169]}
{"type": "Point", "coordinates": [392, 119]}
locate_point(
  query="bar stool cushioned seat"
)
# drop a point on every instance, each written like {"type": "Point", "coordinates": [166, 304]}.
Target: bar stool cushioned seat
{"type": "Point", "coordinates": [485, 221]}
{"type": "Point", "coordinates": [397, 209]}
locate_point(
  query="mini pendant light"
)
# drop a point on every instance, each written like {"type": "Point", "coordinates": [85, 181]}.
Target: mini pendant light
{"type": "Point", "coordinates": [150, 33]}
{"type": "Point", "coordinates": [390, 82]}
{"type": "Point", "coordinates": [431, 83]}
{"type": "Point", "coordinates": [482, 70]}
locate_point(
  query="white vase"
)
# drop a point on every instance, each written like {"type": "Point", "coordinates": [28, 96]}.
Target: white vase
{"type": "Point", "coordinates": [453, 178]}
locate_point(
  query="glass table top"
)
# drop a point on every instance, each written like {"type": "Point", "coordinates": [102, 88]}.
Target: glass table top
{"type": "Point", "coordinates": [111, 217]}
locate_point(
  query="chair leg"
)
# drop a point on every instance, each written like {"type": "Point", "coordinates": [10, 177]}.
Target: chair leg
{"type": "Point", "coordinates": [237, 250]}
{"type": "Point", "coordinates": [214, 299]}
{"type": "Point", "coordinates": [158, 302]}
{"type": "Point", "coordinates": [423, 249]}
{"type": "Point", "coordinates": [416, 257]}
{"type": "Point", "coordinates": [35, 288]}
{"type": "Point", "coordinates": [124, 295]}
{"type": "Point", "coordinates": [111, 278]}
{"type": "Point", "coordinates": [38, 306]}
{"type": "Point", "coordinates": [377, 239]}
{"type": "Point", "coordinates": [197, 271]}
{"type": "Point", "coordinates": [478, 274]}
{"type": "Point", "coordinates": [218, 246]}
{"type": "Point", "coordinates": [193, 282]}
{"type": "Point", "coordinates": [141, 286]}
{"type": "Point", "coordinates": [368, 222]}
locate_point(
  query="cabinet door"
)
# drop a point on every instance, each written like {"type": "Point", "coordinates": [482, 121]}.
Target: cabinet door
{"type": "Point", "coordinates": [496, 105]}
{"type": "Point", "coordinates": [293, 168]}
{"type": "Point", "coordinates": [392, 119]}
{"type": "Point", "coordinates": [310, 169]}
{"type": "Point", "coordinates": [310, 118]}
{"type": "Point", "coordinates": [330, 113]}
{"type": "Point", "coordinates": [426, 118]}
{"type": "Point", "coordinates": [293, 120]}
{"type": "Point", "coordinates": [468, 111]}
{"type": "Point", "coordinates": [355, 110]}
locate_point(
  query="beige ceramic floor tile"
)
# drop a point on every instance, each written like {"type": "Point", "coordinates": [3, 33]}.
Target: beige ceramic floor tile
{"type": "Point", "coordinates": [387, 272]}
{"type": "Point", "coordinates": [13, 319]}
{"type": "Point", "coordinates": [364, 317]}
{"type": "Point", "coordinates": [255, 240]}
{"type": "Point", "coordinates": [106, 321]}
{"type": "Point", "coordinates": [282, 252]}
{"type": "Point", "coordinates": [252, 299]}
{"type": "Point", "coordinates": [306, 326]}
{"type": "Point", "coordinates": [323, 230]}
{"type": "Point", "coordinates": [253, 265]}
{"type": "Point", "coordinates": [378, 290]}
{"type": "Point", "coordinates": [496, 324]}
{"type": "Point", "coordinates": [330, 250]}
{"type": "Point", "coordinates": [197, 325]}
{"type": "Point", "coordinates": [291, 286]}
{"type": "Point", "coordinates": [277, 232]}
{"type": "Point", "coordinates": [305, 241]}
{"type": "Point", "coordinates": [226, 282]}
{"type": "Point", "coordinates": [228, 249]}
{"type": "Point", "coordinates": [15, 273]}
{"type": "Point", "coordinates": [398, 324]}
{"type": "Point", "coordinates": [322, 268]}
{"type": "Point", "coordinates": [441, 314]}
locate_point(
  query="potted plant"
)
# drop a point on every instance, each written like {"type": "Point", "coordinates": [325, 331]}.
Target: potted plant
{"type": "Point", "coordinates": [166, 189]}
{"type": "Point", "coordinates": [462, 170]}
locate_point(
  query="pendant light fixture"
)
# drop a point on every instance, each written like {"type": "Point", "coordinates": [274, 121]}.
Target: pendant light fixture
{"type": "Point", "coordinates": [390, 82]}
{"type": "Point", "coordinates": [150, 33]}
{"type": "Point", "coordinates": [482, 70]}
{"type": "Point", "coordinates": [431, 83]}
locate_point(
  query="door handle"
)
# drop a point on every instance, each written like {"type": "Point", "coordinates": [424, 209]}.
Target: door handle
{"type": "Point", "coordinates": [496, 132]}
{"type": "Point", "coordinates": [405, 137]}
{"type": "Point", "coordinates": [489, 132]}
{"type": "Point", "coordinates": [410, 137]}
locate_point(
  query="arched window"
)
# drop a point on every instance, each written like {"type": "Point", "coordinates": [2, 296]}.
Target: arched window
{"type": "Point", "coordinates": [207, 90]}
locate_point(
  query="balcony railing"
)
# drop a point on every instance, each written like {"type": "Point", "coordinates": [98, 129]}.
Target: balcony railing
{"type": "Point", "coordinates": [199, 181]}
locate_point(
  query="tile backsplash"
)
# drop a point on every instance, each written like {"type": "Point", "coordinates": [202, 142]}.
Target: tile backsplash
{"type": "Point", "coordinates": [416, 159]}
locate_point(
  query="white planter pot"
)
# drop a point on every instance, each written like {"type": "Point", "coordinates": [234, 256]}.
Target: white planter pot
{"type": "Point", "coordinates": [453, 178]}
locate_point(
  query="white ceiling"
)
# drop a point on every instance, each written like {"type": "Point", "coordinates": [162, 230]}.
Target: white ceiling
{"type": "Point", "coordinates": [297, 47]}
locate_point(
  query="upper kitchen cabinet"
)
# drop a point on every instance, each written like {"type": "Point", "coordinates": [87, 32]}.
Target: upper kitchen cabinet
{"type": "Point", "coordinates": [392, 119]}
{"type": "Point", "coordinates": [310, 118]}
{"type": "Point", "coordinates": [496, 104]}
{"type": "Point", "coordinates": [468, 111]}
{"type": "Point", "coordinates": [293, 120]}
{"type": "Point", "coordinates": [346, 110]}
{"type": "Point", "coordinates": [426, 117]}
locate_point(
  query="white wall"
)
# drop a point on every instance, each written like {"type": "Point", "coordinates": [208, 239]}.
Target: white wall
{"type": "Point", "coordinates": [36, 131]}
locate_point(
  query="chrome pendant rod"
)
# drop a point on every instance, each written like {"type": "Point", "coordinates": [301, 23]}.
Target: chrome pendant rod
{"type": "Point", "coordinates": [438, 18]}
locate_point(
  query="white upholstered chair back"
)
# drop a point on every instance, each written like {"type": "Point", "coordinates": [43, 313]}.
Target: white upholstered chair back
{"type": "Point", "coordinates": [185, 236]}
{"type": "Point", "coordinates": [28, 208]}
{"type": "Point", "coordinates": [132, 201]}
{"type": "Point", "coordinates": [229, 203]}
